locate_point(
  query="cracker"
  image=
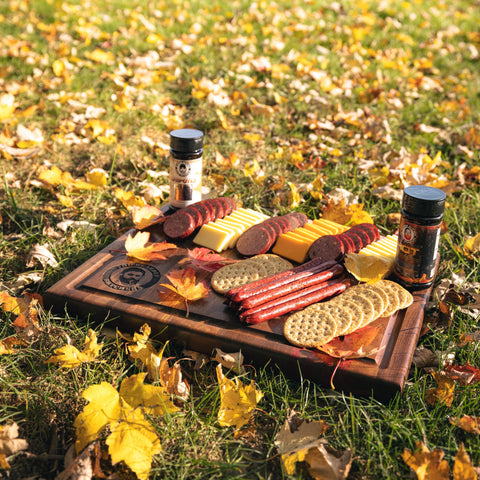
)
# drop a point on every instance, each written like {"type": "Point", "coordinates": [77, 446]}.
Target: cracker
{"type": "Point", "coordinates": [361, 298]}
{"type": "Point", "coordinates": [405, 298]}
{"type": "Point", "coordinates": [357, 315]}
{"type": "Point", "coordinates": [236, 274]}
{"type": "Point", "coordinates": [375, 296]}
{"type": "Point", "coordinates": [343, 315]}
{"type": "Point", "coordinates": [272, 263]}
{"type": "Point", "coordinates": [309, 328]}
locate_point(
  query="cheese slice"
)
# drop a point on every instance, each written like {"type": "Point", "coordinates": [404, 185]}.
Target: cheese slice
{"type": "Point", "coordinates": [236, 228]}
{"type": "Point", "coordinates": [289, 245]}
{"type": "Point", "coordinates": [317, 229]}
{"type": "Point", "coordinates": [334, 227]}
{"type": "Point", "coordinates": [214, 237]}
{"type": "Point", "coordinates": [305, 233]}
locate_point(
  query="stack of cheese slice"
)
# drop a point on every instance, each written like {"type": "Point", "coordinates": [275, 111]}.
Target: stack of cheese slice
{"type": "Point", "coordinates": [385, 248]}
{"type": "Point", "coordinates": [294, 245]}
{"type": "Point", "coordinates": [223, 233]}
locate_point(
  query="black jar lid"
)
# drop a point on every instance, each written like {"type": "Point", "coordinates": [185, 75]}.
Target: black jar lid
{"type": "Point", "coordinates": [423, 201]}
{"type": "Point", "coordinates": [186, 140]}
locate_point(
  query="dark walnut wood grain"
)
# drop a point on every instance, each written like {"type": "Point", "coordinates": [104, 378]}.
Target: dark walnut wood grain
{"type": "Point", "coordinates": [125, 292]}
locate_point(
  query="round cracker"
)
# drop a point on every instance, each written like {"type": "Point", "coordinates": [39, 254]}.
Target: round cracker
{"type": "Point", "coordinates": [405, 298]}
{"type": "Point", "coordinates": [235, 275]}
{"type": "Point", "coordinates": [361, 298]}
{"type": "Point", "coordinates": [343, 315]}
{"type": "Point", "coordinates": [272, 263]}
{"type": "Point", "coordinates": [376, 296]}
{"type": "Point", "coordinates": [308, 328]}
{"type": "Point", "coordinates": [357, 315]}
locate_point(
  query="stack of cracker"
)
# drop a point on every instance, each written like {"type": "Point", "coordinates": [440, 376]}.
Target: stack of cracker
{"type": "Point", "coordinates": [247, 271]}
{"type": "Point", "coordinates": [360, 305]}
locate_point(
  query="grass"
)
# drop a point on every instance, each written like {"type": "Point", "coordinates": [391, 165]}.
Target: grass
{"type": "Point", "coordinates": [407, 72]}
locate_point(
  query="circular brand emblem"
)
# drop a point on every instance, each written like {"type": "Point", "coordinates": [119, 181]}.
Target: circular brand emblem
{"type": "Point", "coordinates": [183, 169]}
{"type": "Point", "coordinates": [130, 277]}
{"type": "Point", "coordinates": [408, 234]}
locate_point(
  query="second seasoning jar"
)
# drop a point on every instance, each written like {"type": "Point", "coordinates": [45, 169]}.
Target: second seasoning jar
{"type": "Point", "coordinates": [419, 235]}
{"type": "Point", "coordinates": [186, 161]}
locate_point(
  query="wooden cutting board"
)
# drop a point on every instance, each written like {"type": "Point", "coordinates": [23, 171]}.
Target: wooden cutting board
{"type": "Point", "coordinates": [110, 285]}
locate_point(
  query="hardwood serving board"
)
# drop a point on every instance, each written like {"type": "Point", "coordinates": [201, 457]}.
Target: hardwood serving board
{"type": "Point", "coordinates": [110, 285]}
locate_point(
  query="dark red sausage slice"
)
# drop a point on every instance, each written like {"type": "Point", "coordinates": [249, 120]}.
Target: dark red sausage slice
{"type": "Point", "coordinates": [327, 247]}
{"type": "Point", "coordinates": [255, 241]}
{"type": "Point", "coordinates": [179, 225]}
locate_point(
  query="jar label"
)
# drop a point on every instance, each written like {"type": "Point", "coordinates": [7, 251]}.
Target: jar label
{"type": "Point", "coordinates": [417, 252]}
{"type": "Point", "coordinates": [185, 182]}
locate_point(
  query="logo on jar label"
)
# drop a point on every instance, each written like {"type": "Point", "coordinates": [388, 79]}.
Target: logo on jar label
{"type": "Point", "coordinates": [409, 234]}
{"type": "Point", "coordinates": [183, 169]}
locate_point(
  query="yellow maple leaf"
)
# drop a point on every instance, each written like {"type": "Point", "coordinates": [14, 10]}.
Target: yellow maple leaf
{"type": "Point", "coordinates": [237, 401]}
{"type": "Point", "coordinates": [138, 247]}
{"type": "Point", "coordinates": [134, 441]}
{"type": "Point", "coordinates": [70, 357]}
{"type": "Point", "coordinates": [472, 245]}
{"type": "Point", "coordinates": [352, 214]}
{"type": "Point", "coordinates": [367, 268]}
{"type": "Point", "coordinates": [97, 177]}
{"type": "Point", "coordinates": [463, 468]}
{"type": "Point", "coordinates": [427, 465]}
{"type": "Point", "coordinates": [183, 287]}
{"type": "Point", "coordinates": [104, 407]}
{"type": "Point", "coordinates": [7, 345]}
{"type": "Point", "coordinates": [15, 305]}
{"type": "Point", "coordinates": [153, 399]}
{"type": "Point", "coordinates": [129, 199]}
{"type": "Point", "coordinates": [101, 56]}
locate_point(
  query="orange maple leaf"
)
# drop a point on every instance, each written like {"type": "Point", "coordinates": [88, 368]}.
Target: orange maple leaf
{"type": "Point", "coordinates": [138, 247]}
{"type": "Point", "coordinates": [443, 392]}
{"type": "Point", "coordinates": [358, 344]}
{"type": "Point", "coordinates": [183, 288]}
{"type": "Point", "coordinates": [206, 259]}
{"type": "Point", "coordinates": [430, 464]}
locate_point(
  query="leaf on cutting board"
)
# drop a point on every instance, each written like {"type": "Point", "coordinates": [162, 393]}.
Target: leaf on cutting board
{"type": "Point", "coordinates": [146, 216]}
{"type": "Point", "coordinates": [138, 247]}
{"type": "Point", "coordinates": [182, 289]}
{"type": "Point", "coordinates": [205, 259]}
{"type": "Point", "coordinates": [368, 268]}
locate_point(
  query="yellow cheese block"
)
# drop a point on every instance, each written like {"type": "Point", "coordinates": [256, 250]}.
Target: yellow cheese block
{"type": "Point", "coordinates": [317, 229]}
{"type": "Point", "coordinates": [289, 245]}
{"type": "Point", "coordinates": [385, 247]}
{"type": "Point", "coordinates": [213, 237]}
{"type": "Point", "coordinates": [305, 233]}
{"type": "Point", "coordinates": [235, 227]}
{"type": "Point", "coordinates": [334, 227]}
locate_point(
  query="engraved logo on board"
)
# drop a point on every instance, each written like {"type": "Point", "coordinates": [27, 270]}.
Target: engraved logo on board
{"type": "Point", "coordinates": [131, 277]}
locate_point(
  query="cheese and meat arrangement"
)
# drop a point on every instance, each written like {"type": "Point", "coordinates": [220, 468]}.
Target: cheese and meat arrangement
{"type": "Point", "coordinates": [292, 266]}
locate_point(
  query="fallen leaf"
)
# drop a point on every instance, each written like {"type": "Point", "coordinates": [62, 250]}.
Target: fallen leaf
{"type": "Point", "coordinates": [41, 253]}
{"type": "Point", "coordinates": [466, 422]}
{"type": "Point", "coordinates": [205, 259]}
{"type": "Point", "coordinates": [183, 287]}
{"type": "Point", "coordinates": [129, 199]}
{"type": "Point", "coordinates": [302, 441]}
{"type": "Point", "coordinates": [8, 344]}
{"type": "Point", "coordinates": [237, 401]}
{"type": "Point", "coordinates": [464, 374]}
{"type": "Point", "coordinates": [359, 344]}
{"type": "Point", "coordinates": [138, 247]}
{"type": "Point", "coordinates": [231, 361]}
{"type": "Point", "coordinates": [146, 216]}
{"type": "Point", "coordinates": [427, 465]}
{"type": "Point", "coordinates": [368, 268]}
{"type": "Point", "coordinates": [352, 214]}
{"type": "Point", "coordinates": [97, 177]}
{"type": "Point", "coordinates": [10, 443]}
{"type": "Point", "coordinates": [443, 393]}
{"type": "Point", "coordinates": [463, 468]}
{"type": "Point", "coordinates": [70, 357]}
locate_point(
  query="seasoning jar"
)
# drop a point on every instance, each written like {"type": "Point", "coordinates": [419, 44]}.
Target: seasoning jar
{"type": "Point", "coordinates": [186, 152]}
{"type": "Point", "coordinates": [419, 235]}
